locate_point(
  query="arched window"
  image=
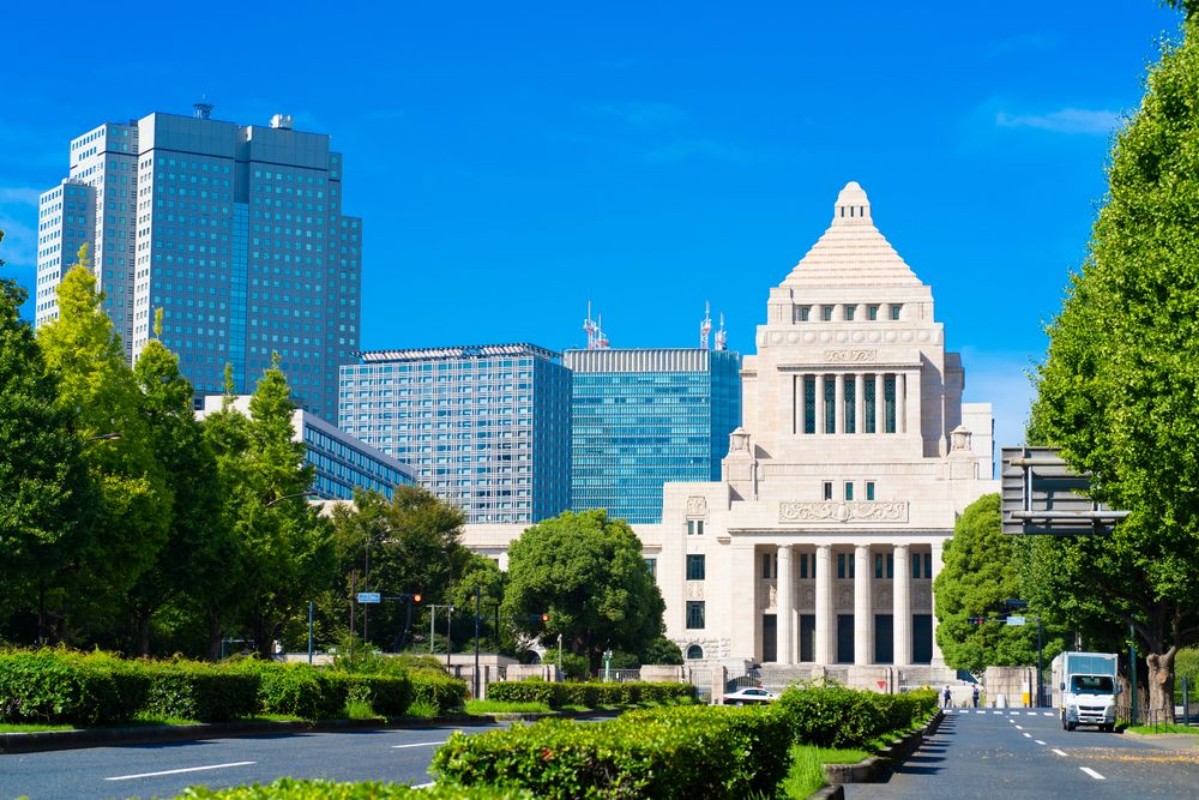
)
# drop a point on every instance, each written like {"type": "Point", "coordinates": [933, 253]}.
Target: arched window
{"type": "Point", "coordinates": [695, 652]}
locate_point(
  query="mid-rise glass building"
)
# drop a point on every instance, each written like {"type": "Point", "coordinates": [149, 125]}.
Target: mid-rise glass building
{"type": "Point", "coordinates": [644, 417]}
{"type": "Point", "coordinates": [235, 232]}
{"type": "Point", "coordinates": [486, 427]}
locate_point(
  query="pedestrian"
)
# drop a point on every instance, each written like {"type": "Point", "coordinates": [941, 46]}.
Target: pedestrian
{"type": "Point", "coordinates": [947, 696]}
{"type": "Point", "coordinates": [974, 695]}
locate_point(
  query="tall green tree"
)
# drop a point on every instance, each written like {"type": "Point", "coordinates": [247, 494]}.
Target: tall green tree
{"type": "Point", "coordinates": [45, 490]}
{"type": "Point", "coordinates": [980, 574]}
{"type": "Point", "coordinates": [85, 356]}
{"type": "Point", "coordinates": [287, 552]}
{"type": "Point", "coordinates": [192, 552]}
{"type": "Point", "coordinates": [1118, 388]}
{"type": "Point", "coordinates": [413, 544]}
{"type": "Point", "coordinates": [587, 573]}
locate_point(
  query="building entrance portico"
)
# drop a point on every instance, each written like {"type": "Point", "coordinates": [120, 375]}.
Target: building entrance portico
{"type": "Point", "coordinates": [838, 603]}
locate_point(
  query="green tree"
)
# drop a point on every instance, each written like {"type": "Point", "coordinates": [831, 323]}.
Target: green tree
{"type": "Point", "coordinates": [192, 553]}
{"type": "Point", "coordinates": [1118, 388]}
{"type": "Point", "coordinates": [587, 573]}
{"type": "Point", "coordinates": [287, 552]}
{"type": "Point", "coordinates": [981, 573]}
{"type": "Point", "coordinates": [414, 546]}
{"type": "Point", "coordinates": [45, 492]}
{"type": "Point", "coordinates": [96, 385]}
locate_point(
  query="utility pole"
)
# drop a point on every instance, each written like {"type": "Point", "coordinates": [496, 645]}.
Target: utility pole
{"type": "Point", "coordinates": [478, 617]}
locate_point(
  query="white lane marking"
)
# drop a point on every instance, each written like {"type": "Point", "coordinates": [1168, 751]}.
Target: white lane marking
{"type": "Point", "coordinates": [418, 744]}
{"type": "Point", "coordinates": [1038, 741]}
{"type": "Point", "coordinates": [1048, 714]}
{"type": "Point", "coordinates": [1059, 752]}
{"type": "Point", "coordinates": [1019, 727]}
{"type": "Point", "coordinates": [180, 771]}
{"type": "Point", "coordinates": [997, 713]}
{"type": "Point", "coordinates": [1030, 713]}
{"type": "Point", "coordinates": [1027, 735]}
{"type": "Point", "coordinates": [1093, 773]}
{"type": "Point", "coordinates": [980, 712]}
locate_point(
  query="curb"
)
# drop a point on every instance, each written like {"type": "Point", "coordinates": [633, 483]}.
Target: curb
{"type": "Point", "coordinates": [875, 768]}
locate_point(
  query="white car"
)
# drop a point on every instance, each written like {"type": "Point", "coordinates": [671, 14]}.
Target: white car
{"type": "Point", "coordinates": [749, 694]}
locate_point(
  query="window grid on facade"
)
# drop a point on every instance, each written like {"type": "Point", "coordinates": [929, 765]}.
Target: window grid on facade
{"type": "Point", "coordinates": [695, 614]}
{"type": "Point", "coordinates": [695, 567]}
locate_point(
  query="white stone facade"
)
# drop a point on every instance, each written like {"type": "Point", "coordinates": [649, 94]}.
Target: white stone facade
{"type": "Point", "coordinates": [820, 544]}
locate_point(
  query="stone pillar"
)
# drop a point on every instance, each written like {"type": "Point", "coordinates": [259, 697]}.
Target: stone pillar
{"type": "Point", "coordinates": [880, 403]}
{"type": "Point", "coordinates": [744, 606]}
{"type": "Point", "coordinates": [902, 608]}
{"type": "Point", "coordinates": [938, 551]}
{"type": "Point", "coordinates": [826, 613]}
{"type": "Point", "coordinates": [797, 385]}
{"type": "Point", "coordinates": [901, 403]}
{"type": "Point", "coordinates": [863, 614]}
{"type": "Point", "coordinates": [785, 607]}
{"type": "Point", "coordinates": [839, 402]}
{"type": "Point", "coordinates": [859, 402]}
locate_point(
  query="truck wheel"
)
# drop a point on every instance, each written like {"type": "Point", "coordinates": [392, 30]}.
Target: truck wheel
{"type": "Point", "coordinates": [1070, 726]}
{"type": "Point", "coordinates": [1064, 724]}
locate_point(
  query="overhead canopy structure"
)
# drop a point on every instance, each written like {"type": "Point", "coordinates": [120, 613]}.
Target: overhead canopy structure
{"type": "Point", "coordinates": [1042, 495]}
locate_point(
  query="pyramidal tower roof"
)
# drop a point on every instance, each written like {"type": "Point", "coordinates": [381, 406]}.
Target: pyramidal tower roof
{"type": "Point", "coordinates": [852, 252]}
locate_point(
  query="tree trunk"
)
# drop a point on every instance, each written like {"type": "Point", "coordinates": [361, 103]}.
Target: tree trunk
{"type": "Point", "coordinates": [143, 631]}
{"type": "Point", "coordinates": [1161, 686]}
{"type": "Point", "coordinates": [214, 636]}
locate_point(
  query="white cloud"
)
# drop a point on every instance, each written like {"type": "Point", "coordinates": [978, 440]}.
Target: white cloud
{"type": "Point", "coordinates": [1082, 121]}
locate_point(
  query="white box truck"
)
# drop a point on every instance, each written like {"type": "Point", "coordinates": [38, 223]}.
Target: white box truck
{"type": "Point", "coordinates": [1087, 687]}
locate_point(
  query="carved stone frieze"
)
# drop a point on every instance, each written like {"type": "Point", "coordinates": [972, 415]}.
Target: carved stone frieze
{"type": "Point", "coordinates": [697, 506]}
{"type": "Point", "coordinates": [695, 590]}
{"type": "Point", "coordinates": [850, 356]}
{"type": "Point", "coordinates": [807, 596]}
{"type": "Point", "coordinates": [833, 511]}
{"type": "Point", "coordinates": [882, 598]}
{"type": "Point", "coordinates": [844, 597]}
{"type": "Point", "coordinates": [922, 597]}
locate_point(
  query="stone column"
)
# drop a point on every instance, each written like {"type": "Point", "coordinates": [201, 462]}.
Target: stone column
{"type": "Point", "coordinates": [797, 404]}
{"type": "Point", "coordinates": [863, 614]}
{"type": "Point", "coordinates": [938, 551]}
{"type": "Point", "coordinates": [826, 613]}
{"type": "Point", "coordinates": [901, 403]}
{"type": "Point", "coordinates": [744, 606]}
{"type": "Point", "coordinates": [785, 607]}
{"type": "Point", "coordinates": [902, 608]}
{"type": "Point", "coordinates": [859, 402]}
{"type": "Point", "coordinates": [880, 403]}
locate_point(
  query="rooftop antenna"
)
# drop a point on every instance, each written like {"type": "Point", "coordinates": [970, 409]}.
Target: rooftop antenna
{"type": "Point", "coordinates": [590, 328]}
{"type": "Point", "coordinates": [705, 327]}
{"type": "Point", "coordinates": [601, 338]}
{"type": "Point", "coordinates": [203, 108]}
{"type": "Point", "coordinates": [722, 336]}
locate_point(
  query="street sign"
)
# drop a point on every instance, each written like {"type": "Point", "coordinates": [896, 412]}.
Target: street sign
{"type": "Point", "coordinates": [1015, 620]}
{"type": "Point", "coordinates": [369, 597]}
{"type": "Point", "coordinates": [1041, 495]}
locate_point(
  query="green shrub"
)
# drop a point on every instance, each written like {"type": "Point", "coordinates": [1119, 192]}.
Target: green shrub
{"type": "Point", "coordinates": [589, 695]}
{"type": "Point", "coordinates": [389, 695]}
{"type": "Point", "coordinates": [58, 687]}
{"type": "Point", "coordinates": [439, 690]}
{"type": "Point", "coordinates": [681, 752]}
{"type": "Point", "coordinates": [530, 691]}
{"type": "Point", "coordinates": [838, 717]}
{"type": "Point", "coordinates": [202, 692]}
{"type": "Point", "coordinates": [299, 690]}
{"type": "Point", "coordinates": [290, 789]}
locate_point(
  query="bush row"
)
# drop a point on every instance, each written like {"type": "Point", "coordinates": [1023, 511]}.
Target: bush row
{"type": "Point", "coordinates": [838, 717]}
{"type": "Point", "coordinates": [589, 695]}
{"type": "Point", "coordinates": [670, 752]}
{"type": "Point", "coordinates": [97, 689]}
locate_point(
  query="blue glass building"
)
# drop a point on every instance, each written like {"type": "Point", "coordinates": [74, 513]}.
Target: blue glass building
{"type": "Point", "coordinates": [644, 417]}
{"type": "Point", "coordinates": [485, 427]}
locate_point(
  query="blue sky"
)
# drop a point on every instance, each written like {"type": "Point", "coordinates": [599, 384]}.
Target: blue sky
{"type": "Point", "coordinates": [514, 161]}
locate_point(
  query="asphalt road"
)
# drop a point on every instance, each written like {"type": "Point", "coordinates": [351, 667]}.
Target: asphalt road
{"type": "Point", "coordinates": [163, 770]}
{"type": "Point", "coordinates": [1015, 755]}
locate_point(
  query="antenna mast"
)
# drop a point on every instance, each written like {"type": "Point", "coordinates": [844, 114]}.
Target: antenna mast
{"type": "Point", "coordinates": [705, 327]}
{"type": "Point", "coordinates": [596, 340]}
{"type": "Point", "coordinates": [722, 336]}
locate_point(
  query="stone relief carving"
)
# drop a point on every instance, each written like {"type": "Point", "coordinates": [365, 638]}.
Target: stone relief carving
{"type": "Point", "coordinates": [850, 356]}
{"type": "Point", "coordinates": [697, 506]}
{"type": "Point", "coordinates": [807, 597]}
{"type": "Point", "coordinates": [832, 511]}
{"type": "Point", "coordinates": [845, 597]}
{"type": "Point", "coordinates": [695, 590]}
{"type": "Point", "coordinates": [882, 598]}
{"type": "Point", "coordinates": [921, 598]}
{"type": "Point", "coordinates": [738, 441]}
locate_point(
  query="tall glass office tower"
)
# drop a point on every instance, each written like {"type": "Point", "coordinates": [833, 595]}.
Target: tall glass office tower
{"type": "Point", "coordinates": [235, 232]}
{"type": "Point", "coordinates": [486, 428]}
{"type": "Point", "coordinates": [644, 417]}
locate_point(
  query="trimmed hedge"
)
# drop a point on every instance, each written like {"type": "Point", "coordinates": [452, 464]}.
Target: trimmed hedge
{"type": "Point", "coordinates": [202, 692]}
{"type": "Point", "coordinates": [589, 695]}
{"type": "Point", "coordinates": [439, 690]}
{"type": "Point", "coordinates": [50, 687]}
{"type": "Point", "coordinates": [679, 752]}
{"type": "Point", "coordinates": [842, 718]}
{"type": "Point", "coordinates": [290, 789]}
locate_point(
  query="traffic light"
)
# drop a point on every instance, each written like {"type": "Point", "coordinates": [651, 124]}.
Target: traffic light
{"type": "Point", "coordinates": [977, 620]}
{"type": "Point", "coordinates": [545, 617]}
{"type": "Point", "coordinates": [416, 598]}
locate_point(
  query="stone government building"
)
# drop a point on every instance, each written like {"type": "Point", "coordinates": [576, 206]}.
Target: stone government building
{"type": "Point", "coordinates": [815, 552]}
{"type": "Point", "coordinates": [818, 547]}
